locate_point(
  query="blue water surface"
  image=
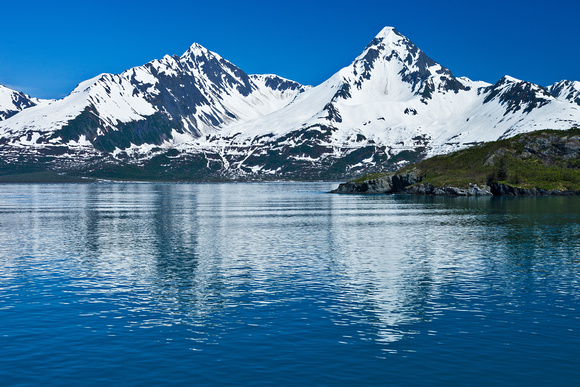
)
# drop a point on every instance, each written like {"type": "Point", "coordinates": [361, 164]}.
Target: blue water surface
{"type": "Point", "coordinates": [284, 284]}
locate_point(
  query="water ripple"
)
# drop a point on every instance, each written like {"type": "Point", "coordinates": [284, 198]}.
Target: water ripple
{"type": "Point", "coordinates": [282, 284]}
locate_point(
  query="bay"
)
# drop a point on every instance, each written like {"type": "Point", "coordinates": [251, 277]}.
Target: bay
{"type": "Point", "coordinates": [282, 284]}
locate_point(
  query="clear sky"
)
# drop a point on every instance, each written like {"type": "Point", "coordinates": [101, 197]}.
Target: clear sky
{"type": "Point", "coordinates": [48, 47]}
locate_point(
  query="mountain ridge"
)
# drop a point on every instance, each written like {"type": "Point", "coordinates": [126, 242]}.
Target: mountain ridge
{"type": "Point", "coordinates": [13, 102]}
{"type": "Point", "coordinates": [198, 116]}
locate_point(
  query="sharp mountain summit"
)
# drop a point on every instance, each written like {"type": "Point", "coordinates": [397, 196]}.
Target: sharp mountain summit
{"type": "Point", "coordinates": [199, 117]}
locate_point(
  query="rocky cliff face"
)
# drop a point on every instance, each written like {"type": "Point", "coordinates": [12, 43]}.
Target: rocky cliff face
{"type": "Point", "coordinates": [379, 185]}
{"type": "Point", "coordinates": [499, 189]}
{"type": "Point", "coordinates": [430, 189]}
{"type": "Point", "coordinates": [384, 184]}
{"type": "Point", "coordinates": [410, 183]}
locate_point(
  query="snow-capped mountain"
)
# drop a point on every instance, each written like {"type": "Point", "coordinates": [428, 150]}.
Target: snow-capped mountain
{"type": "Point", "coordinates": [566, 91]}
{"type": "Point", "coordinates": [174, 99]}
{"type": "Point", "coordinates": [198, 116]}
{"type": "Point", "coordinates": [12, 102]}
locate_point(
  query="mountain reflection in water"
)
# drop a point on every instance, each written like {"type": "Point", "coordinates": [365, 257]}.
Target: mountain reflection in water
{"type": "Point", "coordinates": [281, 282]}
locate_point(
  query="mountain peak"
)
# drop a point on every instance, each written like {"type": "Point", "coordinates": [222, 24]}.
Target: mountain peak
{"type": "Point", "coordinates": [12, 102]}
{"type": "Point", "coordinates": [196, 46]}
{"type": "Point", "coordinates": [389, 32]}
{"type": "Point", "coordinates": [204, 118]}
{"type": "Point", "coordinates": [389, 38]}
{"type": "Point", "coordinates": [509, 79]}
{"type": "Point", "coordinates": [392, 53]}
{"type": "Point", "coordinates": [566, 90]}
{"type": "Point", "coordinates": [197, 50]}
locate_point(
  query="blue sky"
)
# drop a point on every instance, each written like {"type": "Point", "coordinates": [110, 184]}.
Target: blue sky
{"type": "Point", "coordinates": [47, 48]}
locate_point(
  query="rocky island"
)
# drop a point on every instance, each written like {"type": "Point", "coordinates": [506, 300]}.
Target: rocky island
{"type": "Point", "coordinates": [545, 162]}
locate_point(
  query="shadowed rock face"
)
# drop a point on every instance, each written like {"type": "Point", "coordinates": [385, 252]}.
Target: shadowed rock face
{"type": "Point", "coordinates": [388, 184]}
{"type": "Point", "coordinates": [380, 185]}
{"type": "Point", "coordinates": [498, 189]}
{"type": "Point", "coordinates": [410, 184]}
{"type": "Point", "coordinates": [551, 147]}
{"type": "Point", "coordinates": [407, 183]}
{"type": "Point", "coordinates": [429, 189]}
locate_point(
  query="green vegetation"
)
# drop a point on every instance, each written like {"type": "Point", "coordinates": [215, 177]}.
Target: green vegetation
{"type": "Point", "coordinates": [370, 176]}
{"type": "Point", "coordinates": [546, 159]}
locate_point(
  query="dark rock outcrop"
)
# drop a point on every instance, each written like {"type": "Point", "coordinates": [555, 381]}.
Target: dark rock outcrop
{"type": "Point", "coordinates": [381, 185]}
{"type": "Point", "coordinates": [411, 184]}
{"type": "Point", "coordinates": [499, 189]}
{"type": "Point", "coordinates": [387, 184]}
{"type": "Point", "coordinates": [430, 189]}
{"type": "Point", "coordinates": [403, 180]}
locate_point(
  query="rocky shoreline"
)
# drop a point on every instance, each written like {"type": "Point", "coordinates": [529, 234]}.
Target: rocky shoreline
{"type": "Point", "coordinates": [541, 163]}
{"type": "Point", "coordinates": [410, 183]}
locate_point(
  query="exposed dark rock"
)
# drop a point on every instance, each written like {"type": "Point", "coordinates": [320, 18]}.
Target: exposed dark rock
{"type": "Point", "coordinates": [20, 101]}
{"type": "Point", "coordinates": [499, 189]}
{"type": "Point", "coordinates": [409, 183]}
{"type": "Point", "coordinates": [429, 189]}
{"type": "Point", "coordinates": [386, 184]}
{"type": "Point", "coordinates": [517, 95]}
{"type": "Point", "coordinates": [401, 181]}
{"type": "Point", "coordinates": [379, 185]}
{"type": "Point", "coordinates": [333, 113]}
{"type": "Point", "coordinates": [566, 90]}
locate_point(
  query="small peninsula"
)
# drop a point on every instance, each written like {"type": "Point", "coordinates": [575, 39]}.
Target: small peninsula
{"type": "Point", "coordinates": [544, 162]}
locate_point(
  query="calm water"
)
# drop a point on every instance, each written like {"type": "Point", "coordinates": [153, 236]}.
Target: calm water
{"type": "Point", "coordinates": [282, 284]}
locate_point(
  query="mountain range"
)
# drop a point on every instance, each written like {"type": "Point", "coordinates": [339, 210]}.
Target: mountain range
{"type": "Point", "coordinates": [199, 117]}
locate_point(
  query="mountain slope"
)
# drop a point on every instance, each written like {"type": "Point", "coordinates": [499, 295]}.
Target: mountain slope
{"type": "Point", "coordinates": [172, 100]}
{"type": "Point", "coordinates": [566, 91]}
{"type": "Point", "coordinates": [13, 102]}
{"type": "Point", "coordinates": [392, 105]}
{"type": "Point", "coordinates": [200, 117]}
